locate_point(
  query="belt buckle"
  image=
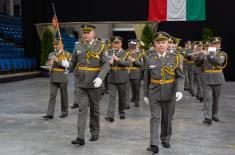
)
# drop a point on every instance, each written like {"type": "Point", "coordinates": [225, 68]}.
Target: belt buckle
{"type": "Point", "coordinates": [161, 81]}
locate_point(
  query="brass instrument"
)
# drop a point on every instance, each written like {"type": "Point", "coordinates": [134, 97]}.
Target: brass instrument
{"type": "Point", "coordinates": [177, 41]}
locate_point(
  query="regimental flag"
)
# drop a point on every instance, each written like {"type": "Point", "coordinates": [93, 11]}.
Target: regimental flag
{"type": "Point", "coordinates": [177, 10]}
{"type": "Point", "coordinates": [55, 24]}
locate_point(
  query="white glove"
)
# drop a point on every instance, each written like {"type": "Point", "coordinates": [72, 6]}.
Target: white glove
{"type": "Point", "coordinates": [179, 96]}
{"type": "Point", "coordinates": [97, 82]}
{"type": "Point", "coordinates": [146, 100]}
{"type": "Point", "coordinates": [65, 63]}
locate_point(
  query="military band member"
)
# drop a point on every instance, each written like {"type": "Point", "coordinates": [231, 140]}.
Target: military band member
{"type": "Point", "coordinates": [140, 47]}
{"type": "Point", "coordinates": [131, 47]}
{"type": "Point", "coordinates": [212, 63]}
{"type": "Point", "coordinates": [190, 64]}
{"type": "Point", "coordinates": [184, 52]}
{"type": "Point", "coordinates": [108, 49]}
{"type": "Point", "coordinates": [58, 80]}
{"type": "Point", "coordinates": [172, 45]}
{"type": "Point", "coordinates": [198, 47]}
{"type": "Point", "coordinates": [118, 79]}
{"type": "Point", "coordinates": [164, 82]}
{"type": "Point", "coordinates": [135, 71]}
{"type": "Point", "coordinates": [206, 46]}
{"type": "Point", "coordinates": [92, 66]}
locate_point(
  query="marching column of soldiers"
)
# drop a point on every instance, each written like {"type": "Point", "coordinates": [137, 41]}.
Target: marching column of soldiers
{"type": "Point", "coordinates": [165, 69]}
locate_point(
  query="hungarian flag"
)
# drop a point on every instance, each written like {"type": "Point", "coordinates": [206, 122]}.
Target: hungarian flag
{"type": "Point", "coordinates": [54, 22]}
{"type": "Point", "coordinates": [177, 10]}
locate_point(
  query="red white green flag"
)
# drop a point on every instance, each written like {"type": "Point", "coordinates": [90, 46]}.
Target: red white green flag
{"type": "Point", "coordinates": [177, 10]}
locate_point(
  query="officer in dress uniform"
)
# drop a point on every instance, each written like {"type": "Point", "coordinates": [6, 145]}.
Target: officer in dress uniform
{"type": "Point", "coordinates": [58, 80]}
{"type": "Point", "coordinates": [118, 79]}
{"type": "Point", "coordinates": [92, 66]}
{"type": "Point", "coordinates": [212, 63]}
{"type": "Point", "coordinates": [163, 84]}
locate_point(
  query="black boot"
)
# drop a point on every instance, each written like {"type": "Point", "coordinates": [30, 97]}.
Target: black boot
{"type": "Point", "coordinates": [207, 121]}
{"type": "Point", "coordinates": [109, 119]}
{"type": "Point", "coordinates": [201, 99]}
{"type": "Point", "coordinates": [78, 141]}
{"type": "Point", "coordinates": [153, 149]}
{"type": "Point", "coordinates": [94, 138]}
{"type": "Point", "coordinates": [216, 119]}
{"type": "Point", "coordinates": [47, 117]}
{"type": "Point", "coordinates": [166, 144]}
{"type": "Point", "coordinates": [122, 117]}
{"type": "Point", "coordinates": [63, 115]}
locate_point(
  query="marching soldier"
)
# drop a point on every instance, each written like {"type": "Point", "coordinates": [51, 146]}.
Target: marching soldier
{"type": "Point", "coordinates": [172, 45]}
{"type": "Point", "coordinates": [108, 49]}
{"type": "Point", "coordinates": [184, 52]}
{"type": "Point", "coordinates": [140, 47]}
{"type": "Point", "coordinates": [212, 63]}
{"type": "Point", "coordinates": [198, 47]}
{"type": "Point", "coordinates": [206, 46]}
{"type": "Point", "coordinates": [92, 66]}
{"type": "Point", "coordinates": [164, 82]}
{"type": "Point", "coordinates": [118, 79]}
{"type": "Point", "coordinates": [58, 80]}
{"type": "Point", "coordinates": [131, 47]}
{"type": "Point", "coordinates": [135, 71]}
{"type": "Point", "coordinates": [190, 63]}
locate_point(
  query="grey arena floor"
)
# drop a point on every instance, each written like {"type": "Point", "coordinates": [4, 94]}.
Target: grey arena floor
{"type": "Point", "coordinates": [24, 132]}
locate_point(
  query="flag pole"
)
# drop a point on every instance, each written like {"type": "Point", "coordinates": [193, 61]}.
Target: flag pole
{"type": "Point", "coordinates": [57, 26]}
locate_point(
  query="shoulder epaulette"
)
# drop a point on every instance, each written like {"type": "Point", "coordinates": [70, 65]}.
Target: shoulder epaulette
{"type": "Point", "coordinates": [99, 41]}
{"type": "Point", "coordinates": [149, 55]}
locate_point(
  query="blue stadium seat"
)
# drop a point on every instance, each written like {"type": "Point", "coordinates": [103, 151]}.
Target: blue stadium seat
{"type": "Point", "coordinates": [14, 64]}
{"type": "Point", "coordinates": [20, 63]}
{"type": "Point", "coordinates": [2, 65]}
{"type": "Point", "coordinates": [8, 64]}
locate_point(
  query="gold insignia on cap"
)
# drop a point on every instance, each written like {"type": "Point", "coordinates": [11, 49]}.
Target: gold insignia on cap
{"type": "Point", "coordinates": [87, 28]}
{"type": "Point", "coordinates": [162, 36]}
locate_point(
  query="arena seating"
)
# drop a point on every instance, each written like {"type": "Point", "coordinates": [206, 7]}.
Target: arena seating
{"type": "Point", "coordinates": [12, 56]}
